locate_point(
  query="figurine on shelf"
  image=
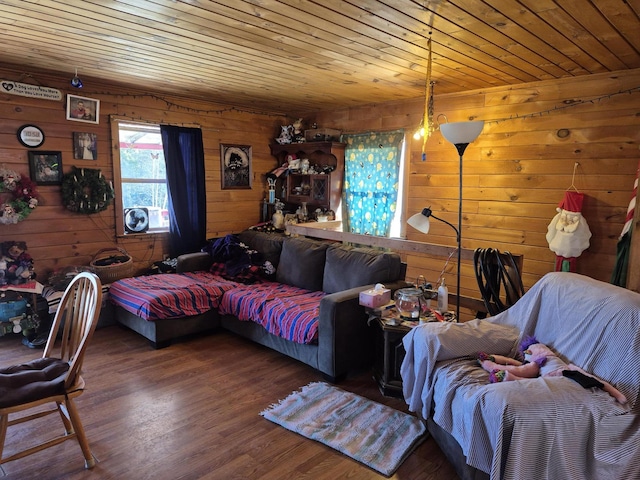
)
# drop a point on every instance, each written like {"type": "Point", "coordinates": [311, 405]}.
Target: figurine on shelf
{"type": "Point", "coordinates": [286, 134]}
{"type": "Point", "coordinates": [278, 217]}
{"type": "Point", "coordinates": [298, 133]}
{"type": "Point", "coordinates": [302, 213]}
{"type": "Point", "coordinates": [271, 189]}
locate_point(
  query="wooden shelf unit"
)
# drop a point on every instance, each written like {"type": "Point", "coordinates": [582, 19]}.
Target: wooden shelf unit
{"type": "Point", "coordinates": [322, 190]}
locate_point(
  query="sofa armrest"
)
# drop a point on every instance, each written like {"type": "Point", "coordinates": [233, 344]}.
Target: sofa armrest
{"type": "Point", "coordinates": [191, 262]}
{"type": "Point", "coordinates": [345, 341]}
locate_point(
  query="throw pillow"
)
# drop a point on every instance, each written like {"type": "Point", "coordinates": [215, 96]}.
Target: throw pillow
{"type": "Point", "coordinates": [302, 263]}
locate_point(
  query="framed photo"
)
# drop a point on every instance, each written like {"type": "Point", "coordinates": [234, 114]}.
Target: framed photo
{"type": "Point", "coordinates": [83, 109]}
{"type": "Point", "coordinates": [235, 161]}
{"type": "Point", "coordinates": [45, 168]}
{"type": "Point", "coordinates": [85, 146]}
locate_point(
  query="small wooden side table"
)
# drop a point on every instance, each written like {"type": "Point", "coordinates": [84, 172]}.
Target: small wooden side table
{"type": "Point", "coordinates": [389, 353]}
{"type": "Point", "coordinates": [389, 350]}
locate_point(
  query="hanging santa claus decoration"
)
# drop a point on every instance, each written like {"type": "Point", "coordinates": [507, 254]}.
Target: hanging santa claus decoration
{"type": "Point", "coordinates": [568, 233]}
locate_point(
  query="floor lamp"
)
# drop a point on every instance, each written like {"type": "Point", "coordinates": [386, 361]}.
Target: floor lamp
{"type": "Point", "coordinates": [461, 134]}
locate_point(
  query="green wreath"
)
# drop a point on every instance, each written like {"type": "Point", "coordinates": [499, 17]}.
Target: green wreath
{"type": "Point", "coordinates": [85, 190]}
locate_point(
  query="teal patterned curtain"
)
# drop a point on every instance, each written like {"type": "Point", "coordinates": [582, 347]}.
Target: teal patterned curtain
{"type": "Point", "coordinates": [372, 164]}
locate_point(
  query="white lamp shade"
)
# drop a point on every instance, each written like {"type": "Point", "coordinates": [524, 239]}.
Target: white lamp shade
{"type": "Point", "coordinates": [420, 222]}
{"type": "Point", "coordinates": [461, 132]}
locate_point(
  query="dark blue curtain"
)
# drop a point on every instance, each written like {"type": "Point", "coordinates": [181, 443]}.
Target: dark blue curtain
{"type": "Point", "coordinates": [184, 157]}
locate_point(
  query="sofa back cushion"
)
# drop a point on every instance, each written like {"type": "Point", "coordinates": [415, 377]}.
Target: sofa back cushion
{"type": "Point", "coordinates": [268, 244]}
{"type": "Point", "coordinates": [349, 267]}
{"type": "Point", "coordinates": [302, 263]}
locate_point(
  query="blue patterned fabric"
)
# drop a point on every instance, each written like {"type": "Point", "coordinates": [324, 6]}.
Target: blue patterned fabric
{"type": "Point", "coordinates": [372, 165]}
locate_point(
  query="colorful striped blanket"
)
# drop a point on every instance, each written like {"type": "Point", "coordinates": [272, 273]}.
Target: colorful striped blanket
{"type": "Point", "coordinates": [283, 310]}
{"type": "Point", "coordinates": [170, 295]}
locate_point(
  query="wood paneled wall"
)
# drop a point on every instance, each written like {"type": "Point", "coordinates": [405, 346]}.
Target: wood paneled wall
{"type": "Point", "coordinates": [514, 176]}
{"type": "Point", "coordinates": [517, 171]}
{"type": "Point", "coordinates": [57, 237]}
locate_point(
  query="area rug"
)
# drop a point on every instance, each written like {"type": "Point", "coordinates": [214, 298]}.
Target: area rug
{"type": "Point", "coordinates": [373, 434]}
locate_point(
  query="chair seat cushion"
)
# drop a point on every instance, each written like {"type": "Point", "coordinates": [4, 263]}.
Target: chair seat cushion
{"type": "Point", "coordinates": [32, 381]}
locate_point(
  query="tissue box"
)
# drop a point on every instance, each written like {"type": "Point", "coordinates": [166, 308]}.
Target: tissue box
{"type": "Point", "coordinates": [373, 298]}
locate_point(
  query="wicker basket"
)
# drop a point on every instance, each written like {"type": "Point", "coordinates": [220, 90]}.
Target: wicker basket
{"type": "Point", "coordinates": [110, 272]}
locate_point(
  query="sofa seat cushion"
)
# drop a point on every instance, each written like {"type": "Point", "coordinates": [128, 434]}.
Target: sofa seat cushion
{"type": "Point", "coordinates": [283, 310]}
{"type": "Point", "coordinates": [294, 318]}
{"type": "Point", "coordinates": [563, 417]}
{"type": "Point", "coordinates": [171, 295]}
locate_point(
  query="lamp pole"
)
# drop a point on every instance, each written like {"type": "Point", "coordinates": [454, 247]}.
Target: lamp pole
{"type": "Point", "coordinates": [461, 147]}
{"type": "Point", "coordinates": [460, 134]}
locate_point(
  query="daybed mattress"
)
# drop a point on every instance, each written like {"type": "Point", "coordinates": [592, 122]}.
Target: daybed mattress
{"type": "Point", "coordinates": [170, 295]}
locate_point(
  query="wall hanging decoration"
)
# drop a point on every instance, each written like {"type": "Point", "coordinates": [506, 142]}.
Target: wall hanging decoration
{"type": "Point", "coordinates": [19, 196]}
{"type": "Point", "coordinates": [568, 233]}
{"type": "Point", "coordinates": [30, 136]}
{"type": "Point", "coordinates": [85, 190]}
{"type": "Point", "coordinates": [83, 109]}
{"type": "Point", "coordinates": [236, 166]}
{"type": "Point", "coordinates": [85, 146]}
{"type": "Point", "coordinates": [29, 90]}
{"type": "Point", "coordinates": [45, 167]}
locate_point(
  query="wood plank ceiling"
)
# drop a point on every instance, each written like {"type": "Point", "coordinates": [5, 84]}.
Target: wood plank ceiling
{"type": "Point", "coordinates": [298, 56]}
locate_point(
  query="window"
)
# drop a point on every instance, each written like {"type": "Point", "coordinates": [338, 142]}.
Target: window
{"type": "Point", "coordinates": [140, 178]}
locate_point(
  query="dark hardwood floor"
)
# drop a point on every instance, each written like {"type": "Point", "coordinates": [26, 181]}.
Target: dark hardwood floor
{"type": "Point", "coordinates": [191, 411]}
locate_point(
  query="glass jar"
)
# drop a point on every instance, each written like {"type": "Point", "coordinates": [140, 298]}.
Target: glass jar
{"type": "Point", "coordinates": [410, 303]}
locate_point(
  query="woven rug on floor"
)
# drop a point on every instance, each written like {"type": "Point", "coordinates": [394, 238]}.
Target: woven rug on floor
{"type": "Point", "coordinates": [369, 432]}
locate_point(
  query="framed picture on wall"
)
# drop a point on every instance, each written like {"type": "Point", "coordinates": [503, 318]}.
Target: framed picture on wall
{"type": "Point", "coordinates": [85, 146]}
{"type": "Point", "coordinates": [235, 162]}
{"type": "Point", "coordinates": [83, 109]}
{"type": "Point", "coordinates": [45, 168]}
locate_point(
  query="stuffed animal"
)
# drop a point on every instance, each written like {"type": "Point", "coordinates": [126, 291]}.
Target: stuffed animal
{"type": "Point", "coordinates": [540, 361]}
{"type": "Point", "coordinates": [17, 263]}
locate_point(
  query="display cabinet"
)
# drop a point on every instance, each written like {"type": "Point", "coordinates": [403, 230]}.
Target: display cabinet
{"type": "Point", "coordinates": [317, 190]}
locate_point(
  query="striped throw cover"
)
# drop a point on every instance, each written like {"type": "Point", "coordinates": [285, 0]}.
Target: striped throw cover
{"type": "Point", "coordinates": [170, 295]}
{"type": "Point", "coordinates": [544, 427]}
{"type": "Point", "coordinates": [283, 310]}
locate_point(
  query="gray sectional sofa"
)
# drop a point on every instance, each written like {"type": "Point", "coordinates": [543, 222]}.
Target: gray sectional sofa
{"type": "Point", "coordinates": [344, 340]}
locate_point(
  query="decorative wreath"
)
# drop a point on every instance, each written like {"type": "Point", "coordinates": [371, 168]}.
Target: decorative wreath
{"type": "Point", "coordinates": [85, 190]}
{"type": "Point", "coordinates": [19, 196]}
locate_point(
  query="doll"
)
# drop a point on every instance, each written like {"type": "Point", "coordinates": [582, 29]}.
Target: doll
{"type": "Point", "coordinates": [18, 263]}
{"type": "Point", "coordinates": [540, 361]}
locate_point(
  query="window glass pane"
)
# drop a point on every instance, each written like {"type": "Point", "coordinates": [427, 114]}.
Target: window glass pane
{"type": "Point", "coordinates": [142, 163]}
{"type": "Point", "coordinates": [144, 195]}
{"type": "Point", "coordinates": [141, 154]}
